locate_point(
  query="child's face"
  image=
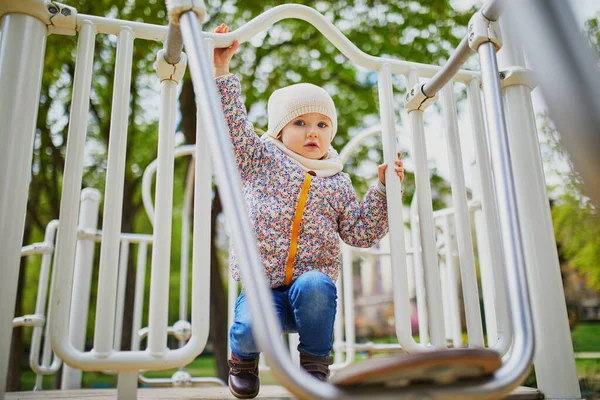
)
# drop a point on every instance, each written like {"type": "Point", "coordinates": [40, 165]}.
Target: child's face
{"type": "Point", "coordinates": [308, 135]}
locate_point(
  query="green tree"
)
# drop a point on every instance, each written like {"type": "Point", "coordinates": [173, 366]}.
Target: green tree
{"type": "Point", "coordinates": [575, 217]}
{"type": "Point", "coordinates": [289, 52]}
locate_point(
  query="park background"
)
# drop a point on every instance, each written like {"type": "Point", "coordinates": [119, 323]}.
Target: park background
{"type": "Point", "coordinates": [290, 52]}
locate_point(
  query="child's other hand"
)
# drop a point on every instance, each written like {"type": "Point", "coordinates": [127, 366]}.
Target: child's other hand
{"type": "Point", "coordinates": [399, 170]}
{"type": "Point", "coordinates": [223, 56]}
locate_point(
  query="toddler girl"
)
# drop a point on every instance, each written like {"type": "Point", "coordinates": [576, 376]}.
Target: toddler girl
{"type": "Point", "coordinates": [300, 204]}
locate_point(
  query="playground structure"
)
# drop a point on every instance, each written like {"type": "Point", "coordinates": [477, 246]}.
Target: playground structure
{"type": "Point", "coordinates": [512, 221]}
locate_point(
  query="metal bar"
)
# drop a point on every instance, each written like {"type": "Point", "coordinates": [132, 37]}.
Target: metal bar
{"type": "Point", "coordinates": [265, 21]}
{"type": "Point", "coordinates": [173, 44]}
{"type": "Point", "coordinates": [36, 248]}
{"type": "Point", "coordinates": [417, 262]}
{"type": "Point", "coordinates": [452, 279]}
{"type": "Point", "coordinates": [449, 70]}
{"type": "Point", "coordinates": [348, 285]}
{"type": "Point", "coordinates": [23, 43]}
{"type": "Point", "coordinates": [461, 219]}
{"type": "Point", "coordinates": [490, 213]}
{"type": "Point", "coordinates": [113, 201]}
{"type": "Point", "coordinates": [554, 363]}
{"type": "Point", "coordinates": [147, 193]}
{"type": "Point", "coordinates": [202, 217]}
{"type": "Point", "coordinates": [486, 271]}
{"type": "Point", "coordinates": [161, 238]}
{"type": "Point", "coordinates": [127, 385]}
{"type": "Point", "coordinates": [40, 305]}
{"type": "Point", "coordinates": [458, 58]}
{"type": "Point", "coordinates": [71, 188]}
{"type": "Point", "coordinates": [492, 10]}
{"type": "Point", "coordinates": [402, 310]}
{"type": "Point", "coordinates": [84, 258]}
{"type": "Point", "coordinates": [121, 285]}
{"type": "Point", "coordinates": [138, 302]}
{"type": "Point", "coordinates": [516, 366]}
{"type": "Point", "coordinates": [338, 329]}
{"type": "Point", "coordinates": [185, 243]}
{"type": "Point", "coordinates": [426, 225]}
{"type": "Point", "coordinates": [232, 294]}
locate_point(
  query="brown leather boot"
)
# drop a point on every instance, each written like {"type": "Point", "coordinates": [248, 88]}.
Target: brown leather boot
{"type": "Point", "coordinates": [243, 378]}
{"type": "Point", "coordinates": [316, 366]}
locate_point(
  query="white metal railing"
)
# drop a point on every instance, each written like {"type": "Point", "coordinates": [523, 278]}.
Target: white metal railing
{"type": "Point", "coordinates": [49, 363]}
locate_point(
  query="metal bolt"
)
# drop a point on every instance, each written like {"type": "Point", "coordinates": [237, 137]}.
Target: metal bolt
{"type": "Point", "coordinates": [52, 9]}
{"type": "Point", "coordinates": [65, 11]}
{"type": "Point", "coordinates": [502, 76]}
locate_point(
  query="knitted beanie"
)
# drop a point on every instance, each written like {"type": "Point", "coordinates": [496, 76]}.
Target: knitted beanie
{"type": "Point", "coordinates": [292, 101]}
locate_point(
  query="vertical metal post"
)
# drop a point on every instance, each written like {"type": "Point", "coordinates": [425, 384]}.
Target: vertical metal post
{"type": "Point", "coordinates": [461, 219]}
{"type": "Point", "coordinates": [84, 257]}
{"type": "Point", "coordinates": [338, 330]}
{"type": "Point", "coordinates": [140, 287]}
{"type": "Point", "coordinates": [113, 200]}
{"type": "Point", "coordinates": [201, 229]}
{"type": "Point", "coordinates": [127, 385]}
{"type": "Point", "coordinates": [348, 285]}
{"type": "Point", "coordinates": [394, 206]}
{"type": "Point", "coordinates": [161, 239]}
{"type": "Point", "coordinates": [40, 307]}
{"type": "Point", "coordinates": [23, 43]}
{"type": "Point", "coordinates": [66, 247]}
{"type": "Point", "coordinates": [121, 285]}
{"type": "Point", "coordinates": [452, 277]}
{"type": "Point", "coordinates": [488, 290]}
{"type": "Point", "coordinates": [554, 360]}
{"type": "Point", "coordinates": [420, 291]}
{"type": "Point", "coordinates": [232, 293]}
{"type": "Point", "coordinates": [426, 226]}
{"type": "Point", "coordinates": [490, 213]}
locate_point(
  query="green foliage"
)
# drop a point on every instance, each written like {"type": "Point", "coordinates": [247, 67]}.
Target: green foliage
{"type": "Point", "coordinates": [575, 217]}
{"type": "Point", "coordinates": [577, 231]}
{"type": "Point", "coordinates": [293, 50]}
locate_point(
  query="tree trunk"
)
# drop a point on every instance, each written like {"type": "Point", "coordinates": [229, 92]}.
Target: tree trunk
{"type": "Point", "coordinates": [218, 298]}
{"type": "Point", "coordinates": [127, 226]}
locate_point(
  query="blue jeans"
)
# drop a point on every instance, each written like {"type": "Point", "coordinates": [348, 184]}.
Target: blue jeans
{"type": "Point", "coordinates": [306, 307]}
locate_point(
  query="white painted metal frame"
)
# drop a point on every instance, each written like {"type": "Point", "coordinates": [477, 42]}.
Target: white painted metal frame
{"type": "Point", "coordinates": [22, 48]}
{"type": "Point", "coordinates": [103, 357]}
{"type": "Point", "coordinates": [50, 363]}
{"type": "Point", "coordinates": [84, 257]}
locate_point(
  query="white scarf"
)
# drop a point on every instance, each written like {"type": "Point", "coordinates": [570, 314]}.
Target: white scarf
{"type": "Point", "coordinates": [323, 168]}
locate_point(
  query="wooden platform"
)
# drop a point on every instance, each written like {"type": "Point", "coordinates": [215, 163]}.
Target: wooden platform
{"type": "Point", "coordinates": [198, 393]}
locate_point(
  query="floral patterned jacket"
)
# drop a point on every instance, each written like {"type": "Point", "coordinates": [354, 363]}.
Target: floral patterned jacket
{"type": "Point", "coordinates": [272, 183]}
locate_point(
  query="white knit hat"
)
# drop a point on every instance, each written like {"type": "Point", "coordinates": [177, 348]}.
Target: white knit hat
{"type": "Point", "coordinates": [292, 101]}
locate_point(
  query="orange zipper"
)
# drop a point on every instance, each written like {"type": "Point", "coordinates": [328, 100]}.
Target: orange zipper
{"type": "Point", "coordinates": [296, 228]}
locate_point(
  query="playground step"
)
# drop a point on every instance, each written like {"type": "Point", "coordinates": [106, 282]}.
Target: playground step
{"type": "Point", "coordinates": [197, 393]}
{"type": "Point", "coordinates": [525, 393]}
